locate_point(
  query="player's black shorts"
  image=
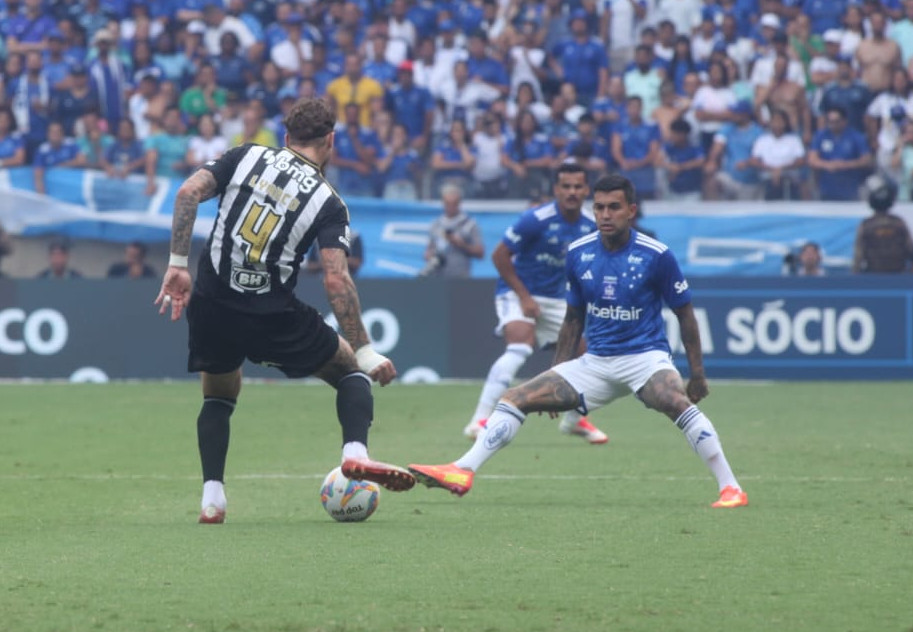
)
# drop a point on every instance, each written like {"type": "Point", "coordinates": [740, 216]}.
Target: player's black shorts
{"type": "Point", "coordinates": [297, 341]}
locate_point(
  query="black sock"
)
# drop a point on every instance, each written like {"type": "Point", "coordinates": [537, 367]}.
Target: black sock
{"type": "Point", "coordinates": [213, 430]}
{"type": "Point", "coordinates": [355, 407]}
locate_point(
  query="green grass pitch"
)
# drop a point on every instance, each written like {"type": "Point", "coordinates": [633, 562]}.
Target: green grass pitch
{"type": "Point", "coordinates": [99, 495]}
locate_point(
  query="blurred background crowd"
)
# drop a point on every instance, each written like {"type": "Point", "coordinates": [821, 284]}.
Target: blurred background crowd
{"type": "Point", "coordinates": [691, 99]}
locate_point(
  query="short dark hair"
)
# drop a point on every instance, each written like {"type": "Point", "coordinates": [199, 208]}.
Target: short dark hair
{"type": "Point", "coordinates": [139, 246]}
{"type": "Point", "coordinates": [839, 110]}
{"type": "Point", "coordinates": [681, 126]}
{"type": "Point", "coordinates": [616, 182]}
{"type": "Point", "coordinates": [310, 120]}
{"type": "Point", "coordinates": [569, 167]}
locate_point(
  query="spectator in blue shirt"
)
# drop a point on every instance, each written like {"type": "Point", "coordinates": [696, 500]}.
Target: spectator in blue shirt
{"type": "Point", "coordinates": [56, 66]}
{"type": "Point", "coordinates": [453, 159]}
{"type": "Point", "coordinates": [69, 105]}
{"type": "Point", "coordinates": [58, 151]}
{"type": "Point", "coordinates": [824, 14]}
{"type": "Point", "coordinates": [355, 151]}
{"type": "Point", "coordinates": [109, 77]}
{"type": "Point", "coordinates": [174, 63]}
{"type": "Point", "coordinates": [28, 31]}
{"type": "Point", "coordinates": [30, 96]}
{"type": "Point", "coordinates": [848, 94]}
{"type": "Point", "coordinates": [610, 109]}
{"type": "Point", "coordinates": [126, 155]}
{"type": "Point", "coordinates": [12, 146]}
{"type": "Point", "coordinates": [398, 166]}
{"type": "Point", "coordinates": [682, 63]}
{"type": "Point", "coordinates": [582, 60]}
{"type": "Point", "coordinates": [588, 149]}
{"type": "Point", "coordinates": [840, 157]}
{"type": "Point", "coordinates": [166, 151]}
{"type": "Point", "coordinates": [528, 154]}
{"type": "Point", "coordinates": [683, 164]}
{"type": "Point", "coordinates": [412, 106]}
{"type": "Point", "coordinates": [729, 172]}
{"type": "Point", "coordinates": [482, 67]}
{"type": "Point", "coordinates": [635, 148]}
{"type": "Point", "coordinates": [233, 71]}
{"type": "Point", "coordinates": [378, 68]}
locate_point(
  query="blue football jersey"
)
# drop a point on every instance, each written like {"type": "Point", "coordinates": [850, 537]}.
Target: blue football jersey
{"type": "Point", "coordinates": [623, 292]}
{"type": "Point", "coordinates": [538, 242]}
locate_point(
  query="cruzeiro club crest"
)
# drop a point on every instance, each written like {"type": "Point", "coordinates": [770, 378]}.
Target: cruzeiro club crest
{"type": "Point", "coordinates": [608, 287]}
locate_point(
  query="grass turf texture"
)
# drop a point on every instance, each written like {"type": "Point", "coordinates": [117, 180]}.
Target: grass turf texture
{"type": "Point", "coordinates": [100, 495]}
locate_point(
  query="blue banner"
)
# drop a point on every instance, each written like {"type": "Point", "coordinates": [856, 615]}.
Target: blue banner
{"type": "Point", "coordinates": [709, 239]}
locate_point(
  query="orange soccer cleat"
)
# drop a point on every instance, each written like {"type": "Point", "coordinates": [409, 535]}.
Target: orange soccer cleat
{"type": "Point", "coordinates": [450, 477]}
{"type": "Point", "coordinates": [731, 497]}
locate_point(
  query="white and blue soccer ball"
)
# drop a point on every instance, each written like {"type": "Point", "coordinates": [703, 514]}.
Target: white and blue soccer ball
{"type": "Point", "coordinates": [347, 500]}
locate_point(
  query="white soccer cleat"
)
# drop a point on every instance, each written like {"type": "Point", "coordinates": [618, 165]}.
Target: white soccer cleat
{"type": "Point", "coordinates": [587, 431]}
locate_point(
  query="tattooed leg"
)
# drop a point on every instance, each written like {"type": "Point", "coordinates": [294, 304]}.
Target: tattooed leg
{"type": "Point", "coordinates": [665, 392]}
{"type": "Point", "coordinates": [546, 392]}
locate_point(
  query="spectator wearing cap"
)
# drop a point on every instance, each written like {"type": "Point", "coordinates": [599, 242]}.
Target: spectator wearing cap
{"type": "Point", "coordinates": [354, 87]}
{"type": "Point", "coordinates": [877, 55]}
{"type": "Point", "coordinates": [824, 14]}
{"type": "Point", "coordinates": [644, 80]}
{"type": "Point", "coordinates": [355, 150]}
{"type": "Point", "coordinates": [682, 164]}
{"type": "Point", "coordinates": [885, 119]}
{"type": "Point", "coordinates": [779, 155]}
{"type": "Point", "coordinates": [166, 150]}
{"type": "Point", "coordinates": [203, 97]}
{"type": "Point", "coordinates": [56, 151]}
{"type": "Point", "coordinates": [29, 31]}
{"type": "Point", "coordinates": [763, 34]}
{"type": "Point", "coordinates": [619, 23]}
{"type": "Point", "coordinates": [233, 71]}
{"type": "Point", "coordinates": [109, 78]}
{"type": "Point", "coordinates": [762, 73]}
{"type": "Point", "coordinates": [266, 90]}
{"type": "Point", "coordinates": [729, 173]}
{"type": "Point", "coordinates": [125, 155]}
{"type": "Point", "coordinates": [413, 107]}
{"type": "Point", "coordinates": [901, 32]}
{"type": "Point", "coordinates": [840, 156]}
{"type": "Point", "coordinates": [12, 145]}
{"type": "Point", "coordinates": [582, 60]}
{"type": "Point", "coordinates": [289, 54]}
{"type": "Point", "coordinates": [822, 69]}
{"type": "Point", "coordinates": [636, 149]}
{"type": "Point", "coordinates": [56, 66]}
{"type": "Point", "coordinates": [846, 93]}
{"type": "Point", "coordinates": [59, 261]}
{"type": "Point", "coordinates": [30, 97]}
{"type": "Point", "coordinates": [71, 103]}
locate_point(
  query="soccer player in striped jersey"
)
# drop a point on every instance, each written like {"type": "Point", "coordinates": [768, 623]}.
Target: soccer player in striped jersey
{"type": "Point", "coordinates": [529, 297]}
{"type": "Point", "coordinates": [618, 280]}
{"type": "Point", "coordinates": [273, 204]}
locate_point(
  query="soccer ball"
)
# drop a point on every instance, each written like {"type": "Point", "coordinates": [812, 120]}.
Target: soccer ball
{"type": "Point", "coordinates": [346, 500]}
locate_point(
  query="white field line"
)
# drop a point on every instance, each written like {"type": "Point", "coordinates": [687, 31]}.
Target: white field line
{"type": "Point", "coordinates": [494, 477]}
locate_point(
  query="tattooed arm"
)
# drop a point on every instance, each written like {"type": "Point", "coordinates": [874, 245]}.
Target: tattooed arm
{"type": "Point", "coordinates": [569, 335]}
{"type": "Point", "coordinates": [691, 338]}
{"type": "Point", "coordinates": [343, 298]}
{"type": "Point", "coordinates": [177, 284]}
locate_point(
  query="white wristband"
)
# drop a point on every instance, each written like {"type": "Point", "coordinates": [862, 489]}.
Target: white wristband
{"type": "Point", "coordinates": [178, 261]}
{"type": "Point", "coordinates": [368, 359]}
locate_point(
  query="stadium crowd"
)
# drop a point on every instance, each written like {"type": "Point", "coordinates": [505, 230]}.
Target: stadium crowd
{"type": "Point", "coordinates": [691, 99]}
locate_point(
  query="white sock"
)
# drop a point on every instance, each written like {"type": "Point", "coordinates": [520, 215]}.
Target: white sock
{"type": "Point", "coordinates": [503, 425]}
{"type": "Point", "coordinates": [213, 494]}
{"type": "Point", "coordinates": [570, 419]}
{"type": "Point", "coordinates": [354, 450]}
{"type": "Point", "coordinates": [500, 375]}
{"type": "Point", "coordinates": [701, 434]}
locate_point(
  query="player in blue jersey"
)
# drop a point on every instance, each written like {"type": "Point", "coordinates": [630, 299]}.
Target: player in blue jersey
{"type": "Point", "coordinates": [529, 298]}
{"type": "Point", "coordinates": [618, 280]}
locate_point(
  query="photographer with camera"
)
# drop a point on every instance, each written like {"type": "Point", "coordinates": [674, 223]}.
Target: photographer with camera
{"type": "Point", "coordinates": [455, 239]}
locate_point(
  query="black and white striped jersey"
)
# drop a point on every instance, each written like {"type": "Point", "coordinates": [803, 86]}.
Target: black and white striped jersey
{"type": "Point", "coordinates": [273, 204]}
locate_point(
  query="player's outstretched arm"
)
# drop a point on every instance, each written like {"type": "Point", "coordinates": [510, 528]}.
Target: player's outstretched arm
{"type": "Point", "coordinates": [343, 298]}
{"type": "Point", "coordinates": [697, 388]}
{"type": "Point", "coordinates": [569, 335]}
{"type": "Point", "coordinates": [177, 284]}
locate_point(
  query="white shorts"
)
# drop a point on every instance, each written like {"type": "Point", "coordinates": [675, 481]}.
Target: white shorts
{"type": "Point", "coordinates": [551, 315]}
{"type": "Point", "coordinates": [601, 380]}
